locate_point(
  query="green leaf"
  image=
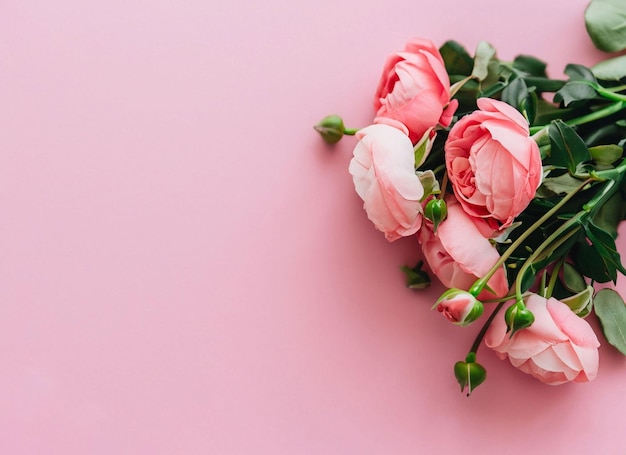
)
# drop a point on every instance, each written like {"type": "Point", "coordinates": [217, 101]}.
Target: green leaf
{"type": "Point", "coordinates": [610, 214]}
{"type": "Point", "coordinates": [575, 91]}
{"type": "Point", "coordinates": [612, 69]}
{"type": "Point", "coordinates": [572, 279]}
{"type": "Point", "coordinates": [484, 53]}
{"type": "Point", "coordinates": [606, 154]}
{"type": "Point", "coordinates": [429, 182]}
{"type": "Point", "coordinates": [456, 58]}
{"type": "Point", "coordinates": [605, 21]}
{"type": "Point", "coordinates": [543, 84]}
{"type": "Point", "coordinates": [579, 73]}
{"type": "Point", "coordinates": [611, 311]}
{"type": "Point", "coordinates": [604, 244]}
{"type": "Point", "coordinates": [589, 263]}
{"type": "Point", "coordinates": [530, 65]}
{"type": "Point", "coordinates": [580, 303]}
{"type": "Point", "coordinates": [568, 150]}
{"type": "Point", "coordinates": [517, 95]}
{"type": "Point", "coordinates": [562, 184]}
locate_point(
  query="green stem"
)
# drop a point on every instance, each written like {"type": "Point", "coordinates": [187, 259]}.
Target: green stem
{"type": "Point", "coordinates": [350, 131]}
{"type": "Point", "coordinates": [599, 114]}
{"type": "Point", "coordinates": [610, 94]}
{"type": "Point", "coordinates": [478, 286]}
{"type": "Point", "coordinates": [553, 277]}
{"type": "Point", "coordinates": [536, 131]}
{"type": "Point", "coordinates": [484, 328]}
{"type": "Point", "coordinates": [556, 239]}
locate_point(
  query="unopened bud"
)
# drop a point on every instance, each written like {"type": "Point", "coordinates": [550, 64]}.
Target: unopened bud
{"type": "Point", "coordinates": [436, 211]}
{"type": "Point", "coordinates": [459, 307]}
{"type": "Point", "coordinates": [469, 374]}
{"type": "Point", "coordinates": [518, 317]}
{"type": "Point", "coordinates": [416, 278]}
{"type": "Point", "coordinates": [331, 128]}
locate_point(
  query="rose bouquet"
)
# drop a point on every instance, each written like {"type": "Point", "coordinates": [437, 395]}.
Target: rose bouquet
{"type": "Point", "coordinates": [513, 185]}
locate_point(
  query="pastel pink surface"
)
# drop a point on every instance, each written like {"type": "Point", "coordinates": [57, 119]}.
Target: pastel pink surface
{"type": "Point", "coordinates": [185, 266]}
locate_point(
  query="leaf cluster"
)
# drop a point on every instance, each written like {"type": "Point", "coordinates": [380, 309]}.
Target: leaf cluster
{"type": "Point", "coordinates": [579, 123]}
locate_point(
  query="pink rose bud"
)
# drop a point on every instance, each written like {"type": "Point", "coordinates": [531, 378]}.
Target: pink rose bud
{"type": "Point", "coordinates": [459, 307]}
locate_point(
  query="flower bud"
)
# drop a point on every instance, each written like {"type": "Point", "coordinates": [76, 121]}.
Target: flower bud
{"type": "Point", "coordinates": [331, 128]}
{"type": "Point", "coordinates": [436, 211]}
{"type": "Point", "coordinates": [469, 374]}
{"type": "Point", "coordinates": [459, 307]}
{"type": "Point", "coordinates": [416, 278]}
{"type": "Point", "coordinates": [518, 317]}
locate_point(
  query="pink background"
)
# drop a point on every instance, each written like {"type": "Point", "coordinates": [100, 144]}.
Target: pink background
{"type": "Point", "coordinates": [185, 267]}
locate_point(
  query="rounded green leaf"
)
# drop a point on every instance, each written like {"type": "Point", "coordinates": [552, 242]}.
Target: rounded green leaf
{"type": "Point", "coordinates": [611, 311]}
{"type": "Point", "coordinates": [606, 24]}
{"type": "Point", "coordinates": [612, 69]}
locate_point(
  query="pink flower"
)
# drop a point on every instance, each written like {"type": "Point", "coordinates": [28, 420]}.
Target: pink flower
{"type": "Point", "coordinates": [459, 307]}
{"type": "Point", "coordinates": [383, 170]}
{"type": "Point", "coordinates": [493, 164]}
{"type": "Point", "coordinates": [558, 347]}
{"type": "Point", "coordinates": [414, 90]}
{"type": "Point", "coordinates": [458, 254]}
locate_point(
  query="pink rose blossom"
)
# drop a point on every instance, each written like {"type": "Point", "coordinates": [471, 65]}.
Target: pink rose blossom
{"type": "Point", "coordinates": [414, 90]}
{"type": "Point", "coordinates": [459, 307]}
{"type": "Point", "coordinates": [458, 254]}
{"type": "Point", "coordinates": [558, 347]}
{"type": "Point", "coordinates": [383, 170]}
{"type": "Point", "coordinates": [493, 164]}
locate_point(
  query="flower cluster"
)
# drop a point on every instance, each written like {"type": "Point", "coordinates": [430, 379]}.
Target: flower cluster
{"type": "Point", "coordinates": [513, 185]}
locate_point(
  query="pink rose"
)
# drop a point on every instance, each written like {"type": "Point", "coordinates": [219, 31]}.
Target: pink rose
{"type": "Point", "coordinates": [458, 254]}
{"type": "Point", "coordinates": [493, 164]}
{"type": "Point", "coordinates": [459, 307]}
{"type": "Point", "coordinates": [414, 90]}
{"type": "Point", "coordinates": [383, 170]}
{"type": "Point", "coordinates": [558, 347]}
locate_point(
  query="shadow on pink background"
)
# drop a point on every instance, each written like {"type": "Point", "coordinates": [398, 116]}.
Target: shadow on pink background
{"type": "Point", "coordinates": [185, 267]}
